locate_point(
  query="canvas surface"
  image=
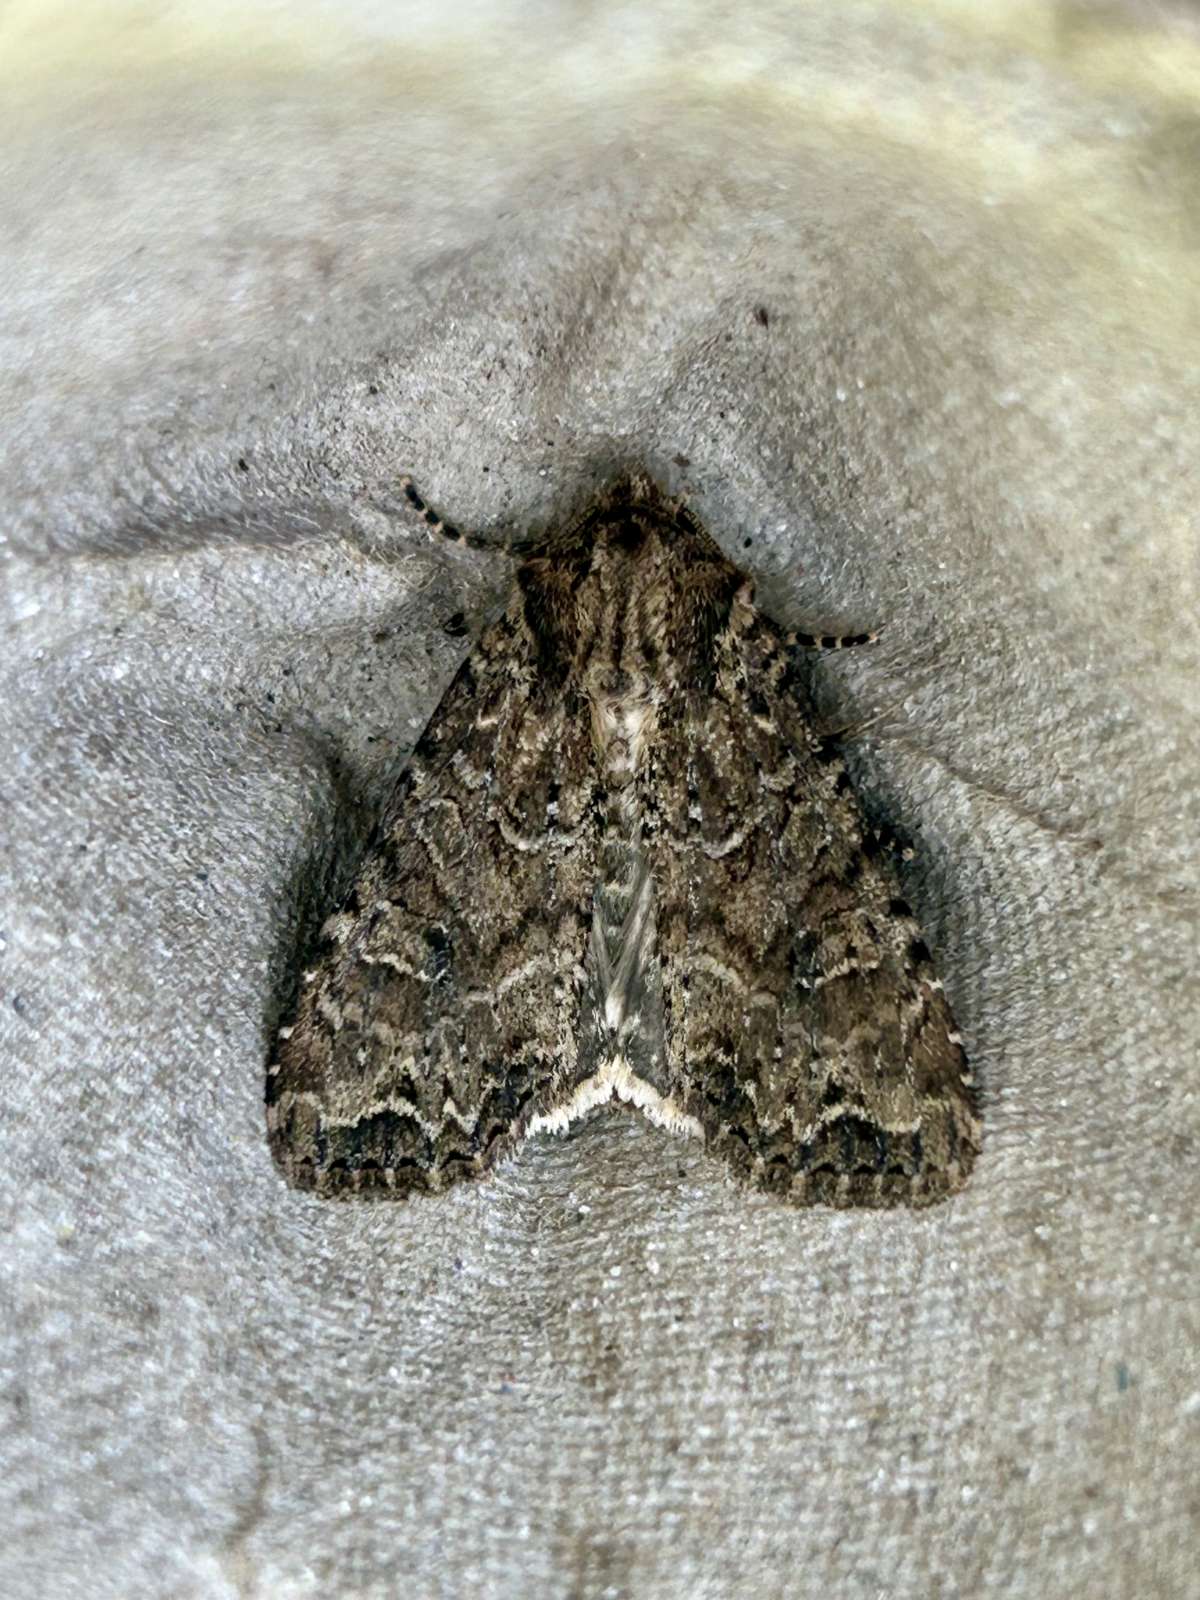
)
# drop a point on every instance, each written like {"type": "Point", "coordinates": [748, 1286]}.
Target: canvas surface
{"type": "Point", "coordinates": [244, 291]}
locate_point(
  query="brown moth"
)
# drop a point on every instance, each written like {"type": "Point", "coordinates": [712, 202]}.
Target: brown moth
{"type": "Point", "coordinates": [622, 865]}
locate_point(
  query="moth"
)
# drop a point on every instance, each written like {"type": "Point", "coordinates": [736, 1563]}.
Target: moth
{"type": "Point", "coordinates": [623, 865]}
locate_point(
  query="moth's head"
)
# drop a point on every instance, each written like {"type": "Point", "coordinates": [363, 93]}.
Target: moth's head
{"type": "Point", "coordinates": [634, 512]}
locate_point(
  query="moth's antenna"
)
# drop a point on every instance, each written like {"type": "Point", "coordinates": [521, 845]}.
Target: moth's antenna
{"type": "Point", "coordinates": [470, 541]}
{"type": "Point", "coordinates": [828, 641]}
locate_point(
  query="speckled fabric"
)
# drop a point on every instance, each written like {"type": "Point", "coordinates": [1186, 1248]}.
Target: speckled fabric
{"type": "Point", "coordinates": [249, 278]}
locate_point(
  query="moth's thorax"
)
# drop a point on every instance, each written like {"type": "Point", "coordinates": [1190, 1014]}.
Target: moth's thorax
{"type": "Point", "coordinates": [622, 729]}
{"type": "Point", "coordinates": [624, 606]}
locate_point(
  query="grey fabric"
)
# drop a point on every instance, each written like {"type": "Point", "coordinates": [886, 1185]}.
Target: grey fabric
{"type": "Point", "coordinates": [240, 297]}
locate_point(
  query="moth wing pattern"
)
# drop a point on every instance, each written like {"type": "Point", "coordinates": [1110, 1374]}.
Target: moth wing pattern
{"type": "Point", "coordinates": [804, 1023]}
{"type": "Point", "coordinates": [622, 864]}
{"type": "Point", "coordinates": [440, 1015]}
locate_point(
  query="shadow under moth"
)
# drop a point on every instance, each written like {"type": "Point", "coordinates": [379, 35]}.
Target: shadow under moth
{"type": "Point", "coordinates": [622, 864]}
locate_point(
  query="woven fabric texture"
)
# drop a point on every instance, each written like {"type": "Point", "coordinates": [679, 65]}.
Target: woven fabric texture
{"type": "Point", "coordinates": [905, 299]}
